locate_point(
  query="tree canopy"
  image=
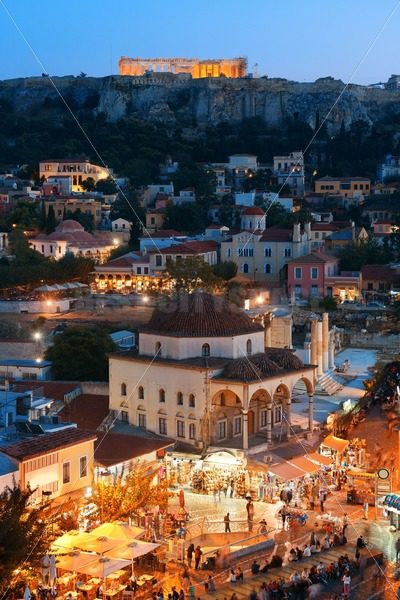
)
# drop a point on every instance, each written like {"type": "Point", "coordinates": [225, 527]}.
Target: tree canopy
{"type": "Point", "coordinates": [80, 354]}
{"type": "Point", "coordinates": [190, 273]}
{"type": "Point", "coordinates": [22, 532]}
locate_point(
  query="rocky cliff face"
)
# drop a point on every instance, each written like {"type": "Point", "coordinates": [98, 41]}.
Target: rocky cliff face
{"type": "Point", "coordinates": [177, 99]}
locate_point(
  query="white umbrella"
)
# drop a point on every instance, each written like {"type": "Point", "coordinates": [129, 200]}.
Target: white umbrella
{"type": "Point", "coordinates": [75, 561]}
{"type": "Point", "coordinates": [103, 566]}
{"type": "Point", "coordinates": [99, 544]}
{"type": "Point", "coordinates": [118, 530]}
{"type": "Point", "coordinates": [70, 540]}
{"type": "Point", "coordinates": [133, 550]}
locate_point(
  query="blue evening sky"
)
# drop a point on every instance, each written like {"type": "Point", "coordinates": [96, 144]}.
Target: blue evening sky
{"type": "Point", "coordinates": [296, 39]}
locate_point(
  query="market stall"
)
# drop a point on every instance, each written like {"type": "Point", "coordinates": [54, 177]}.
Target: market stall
{"type": "Point", "coordinates": [361, 487]}
{"type": "Point", "coordinates": [334, 447]}
{"type": "Point", "coordinates": [391, 508]}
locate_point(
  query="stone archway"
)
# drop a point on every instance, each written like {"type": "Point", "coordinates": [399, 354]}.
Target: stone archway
{"type": "Point", "coordinates": [305, 387]}
{"type": "Point", "coordinates": [226, 421]}
{"type": "Point", "coordinates": [259, 412]}
{"type": "Point", "coordinates": [281, 411]}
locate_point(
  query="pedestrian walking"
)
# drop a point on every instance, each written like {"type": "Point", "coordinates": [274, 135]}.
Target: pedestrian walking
{"type": "Point", "coordinates": [189, 554]}
{"type": "Point", "coordinates": [345, 523]}
{"type": "Point", "coordinates": [284, 513]}
{"type": "Point", "coordinates": [211, 584]}
{"type": "Point", "coordinates": [397, 549]}
{"type": "Point", "coordinates": [227, 522]}
{"type": "Point", "coordinates": [250, 514]}
{"type": "Point", "coordinates": [321, 497]}
{"type": "Point", "coordinates": [197, 557]}
{"type": "Point", "coordinates": [346, 580]}
{"type": "Point", "coordinates": [365, 510]}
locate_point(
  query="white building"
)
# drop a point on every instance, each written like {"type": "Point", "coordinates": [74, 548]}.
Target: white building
{"type": "Point", "coordinates": [202, 375]}
{"type": "Point", "coordinates": [289, 170]}
{"type": "Point", "coordinates": [70, 237]}
{"type": "Point", "coordinates": [77, 170]}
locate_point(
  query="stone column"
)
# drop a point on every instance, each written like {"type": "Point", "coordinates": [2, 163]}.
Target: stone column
{"type": "Point", "coordinates": [269, 423]}
{"type": "Point", "coordinates": [313, 342]}
{"type": "Point", "coordinates": [307, 348]}
{"type": "Point", "coordinates": [288, 418]}
{"type": "Point", "coordinates": [325, 341]}
{"type": "Point", "coordinates": [310, 413]}
{"type": "Point", "coordinates": [245, 430]}
{"type": "Point", "coordinates": [331, 349]}
{"type": "Point", "coordinates": [320, 369]}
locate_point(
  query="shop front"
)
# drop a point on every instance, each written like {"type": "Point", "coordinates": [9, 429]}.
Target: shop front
{"type": "Point", "coordinates": [391, 509]}
{"type": "Point", "coordinates": [361, 487]}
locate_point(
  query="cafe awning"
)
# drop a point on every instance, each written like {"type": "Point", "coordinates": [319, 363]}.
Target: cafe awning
{"type": "Point", "coordinates": [286, 471]}
{"type": "Point", "coordinates": [118, 530]}
{"type": "Point", "coordinates": [335, 443]}
{"type": "Point", "coordinates": [103, 566]}
{"type": "Point", "coordinates": [71, 540]}
{"type": "Point", "coordinates": [320, 459]}
{"type": "Point", "coordinates": [133, 550]}
{"type": "Point", "coordinates": [75, 561]}
{"type": "Point", "coordinates": [304, 465]}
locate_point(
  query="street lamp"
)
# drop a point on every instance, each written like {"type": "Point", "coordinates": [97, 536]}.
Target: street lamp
{"type": "Point", "coordinates": [102, 475]}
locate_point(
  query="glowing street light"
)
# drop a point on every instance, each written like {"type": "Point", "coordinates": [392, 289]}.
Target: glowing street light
{"type": "Point", "coordinates": [37, 336]}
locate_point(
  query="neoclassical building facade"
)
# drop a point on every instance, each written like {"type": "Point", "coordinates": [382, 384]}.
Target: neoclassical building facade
{"type": "Point", "coordinates": [202, 375]}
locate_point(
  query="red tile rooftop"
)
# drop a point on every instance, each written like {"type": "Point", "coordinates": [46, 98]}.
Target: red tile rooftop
{"type": "Point", "coordinates": [50, 442]}
{"type": "Point", "coordinates": [88, 411]}
{"type": "Point", "coordinates": [115, 448]}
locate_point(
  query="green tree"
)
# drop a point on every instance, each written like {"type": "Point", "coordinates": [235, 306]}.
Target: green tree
{"type": "Point", "coordinates": [191, 273]}
{"type": "Point", "coordinates": [126, 495]}
{"type": "Point", "coordinates": [51, 220]}
{"type": "Point", "coordinates": [225, 270]}
{"type": "Point", "coordinates": [106, 186]}
{"type": "Point", "coordinates": [19, 247]}
{"type": "Point", "coordinates": [22, 533]}
{"type": "Point", "coordinates": [80, 354]}
{"type": "Point", "coordinates": [89, 184]}
{"type": "Point", "coordinates": [188, 217]}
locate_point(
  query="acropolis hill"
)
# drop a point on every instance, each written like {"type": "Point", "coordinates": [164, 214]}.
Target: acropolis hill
{"type": "Point", "coordinates": [180, 99]}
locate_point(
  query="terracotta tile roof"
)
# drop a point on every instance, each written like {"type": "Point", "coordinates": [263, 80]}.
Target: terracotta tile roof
{"type": "Point", "coordinates": [190, 247]}
{"type": "Point", "coordinates": [277, 235]}
{"type": "Point", "coordinates": [88, 411]}
{"type": "Point", "coordinates": [114, 448]}
{"type": "Point", "coordinates": [200, 315]}
{"type": "Point", "coordinates": [253, 210]}
{"type": "Point", "coordinates": [50, 442]}
{"type": "Point", "coordinates": [379, 273]}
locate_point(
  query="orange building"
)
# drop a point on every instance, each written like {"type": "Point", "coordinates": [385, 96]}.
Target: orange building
{"type": "Point", "coordinates": [234, 67]}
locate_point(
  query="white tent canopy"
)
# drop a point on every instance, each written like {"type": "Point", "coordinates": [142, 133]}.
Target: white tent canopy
{"type": "Point", "coordinates": [75, 561]}
{"type": "Point", "coordinates": [133, 550]}
{"type": "Point", "coordinates": [99, 544]}
{"type": "Point", "coordinates": [71, 540]}
{"type": "Point", "coordinates": [118, 530]}
{"type": "Point", "coordinates": [103, 566]}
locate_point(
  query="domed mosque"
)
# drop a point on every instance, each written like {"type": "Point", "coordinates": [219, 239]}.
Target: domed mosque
{"type": "Point", "coordinates": [202, 375]}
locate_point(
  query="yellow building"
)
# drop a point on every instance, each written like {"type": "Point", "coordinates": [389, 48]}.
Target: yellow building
{"type": "Point", "coordinates": [346, 187]}
{"type": "Point", "coordinates": [86, 204]}
{"type": "Point", "coordinates": [59, 462]}
{"type": "Point", "coordinates": [79, 170]}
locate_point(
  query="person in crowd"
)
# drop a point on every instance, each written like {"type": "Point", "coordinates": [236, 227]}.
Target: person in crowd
{"type": "Point", "coordinates": [360, 543]}
{"type": "Point", "coordinates": [255, 567]}
{"type": "Point", "coordinates": [292, 555]}
{"type": "Point", "coordinates": [227, 522]}
{"type": "Point", "coordinates": [321, 497]}
{"type": "Point", "coordinates": [239, 575]}
{"type": "Point", "coordinates": [197, 557]}
{"type": "Point", "coordinates": [346, 580]}
{"type": "Point", "coordinates": [232, 576]}
{"type": "Point", "coordinates": [345, 523]}
{"type": "Point", "coordinates": [189, 554]}
{"type": "Point", "coordinates": [211, 584]}
{"type": "Point", "coordinates": [263, 526]}
{"type": "Point", "coordinates": [307, 551]}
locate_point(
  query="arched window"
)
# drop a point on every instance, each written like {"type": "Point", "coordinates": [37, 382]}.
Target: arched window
{"type": "Point", "coordinates": [192, 431]}
{"type": "Point", "coordinates": [192, 401]}
{"type": "Point", "coordinates": [158, 349]}
{"type": "Point", "coordinates": [245, 268]}
{"type": "Point", "coordinates": [228, 252]}
{"type": "Point", "coordinates": [267, 252]}
{"type": "Point", "coordinates": [140, 393]}
{"type": "Point", "coordinates": [248, 347]}
{"type": "Point", "coordinates": [123, 389]}
{"type": "Point", "coordinates": [179, 399]}
{"type": "Point", "coordinates": [205, 350]}
{"type": "Point", "coordinates": [161, 394]}
{"type": "Point", "coordinates": [267, 268]}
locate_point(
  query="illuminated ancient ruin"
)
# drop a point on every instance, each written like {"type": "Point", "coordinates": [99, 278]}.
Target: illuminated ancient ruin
{"type": "Point", "coordinates": [234, 67]}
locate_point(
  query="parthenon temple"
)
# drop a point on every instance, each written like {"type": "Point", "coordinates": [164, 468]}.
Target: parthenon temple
{"type": "Point", "coordinates": [234, 67]}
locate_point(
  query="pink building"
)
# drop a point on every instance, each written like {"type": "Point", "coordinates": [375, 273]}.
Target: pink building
{"type": "Point", "coordinates": [316, 275]}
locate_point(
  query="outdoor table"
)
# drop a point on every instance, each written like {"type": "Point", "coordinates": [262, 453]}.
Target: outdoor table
{"type": "Point", "coordinates": [112, 592]}
{"type": "Point", "coordinates": [95, 580]}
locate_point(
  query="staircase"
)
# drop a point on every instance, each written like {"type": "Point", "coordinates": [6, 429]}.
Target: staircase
{"type": "Point", "coordinates": [329, 384]}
